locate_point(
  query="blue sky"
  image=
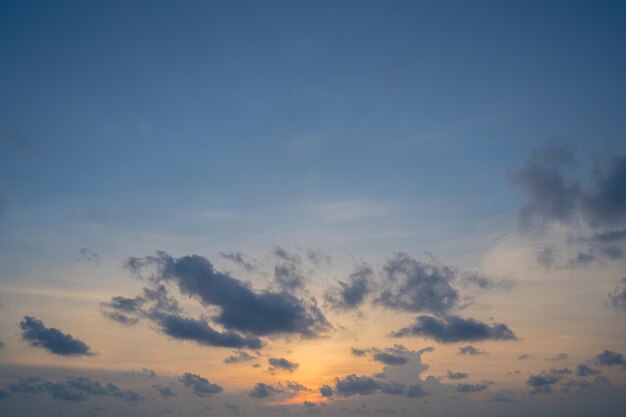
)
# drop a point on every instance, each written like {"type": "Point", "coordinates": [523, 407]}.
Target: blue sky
{"type": "Point", "coordinates": [360, 129]}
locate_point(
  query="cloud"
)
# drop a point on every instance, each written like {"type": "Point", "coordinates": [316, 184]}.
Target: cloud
{"type": "Point", "coordinates": [262, 390]}
{"type": "Point", "coordinates": [471, 387]}
{"type": "Point", "coordinates": [416, 391]}
{"type": "Point", "coordinates": [559, 357]}
{"type": "Point", "coordinates": [457, 375]}
{"type": "Point", "coordinates": [240, 259]}
{"type": "Point", "coordinates": [144, 372]}
{"type": "Point", "coordinates": [470, 350]}
{"type": "Point", "coordinates": [543, 383]}
{"type": "Point", "coordinates": [358, 352]}
{"type": "Point", "coordinates": [199, 385]}
{"type": "Point", "coordinates": [326, 391]}
{"type": "Point", "coordinates": [318, 257]}
{"type": "Point", "coordinates": [351, 295]}
{"type": "Point", "coordinates": [241, 356]}
{"type": "Point", "coordinates": [617, 297]}
{"type": "Point", "coordinates": [523, 357]}
{"type": "Point", "coordinates": [88, 255]}
{"type": "Point", "coordinates": [241, 308]}
{"type": "Point", "coordinates": [353, 385]}
{"type": "Point", "coordinates": [53, 340]}
{"type": "Point", "coordinates": [391, 356]}
{"type": "Point", "coordinates": [120, 318]}
{"type": "Point", "coordinates": [609, 358]}
{"type": "Point", "coordinates": [199, 331]}
{"type": "Point", "coordinates": [164, 391]}
{"type": "Point", "coordinates": [585, 370]}
{"type": "Point", "coordinates": [411, 285]}
{"type": "Point", "coordinates": [72, 389]}
{"type": "Point", "coordinates": [454, 329]}
{"type": "Point", "coordinates": [282, 363]}
{"type": "Point", "coordinates": [556, 194]}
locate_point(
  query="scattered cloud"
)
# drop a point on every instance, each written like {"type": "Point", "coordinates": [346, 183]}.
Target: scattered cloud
{"type": "Point", "coordinates": [241, 260]}
{"type": "Point", "coordinates": [350, 295]}
{"type": "Point", "coordinates": [239, 357]}
{"type": "Point", "coordinates": [51, 339]}
{"type": "Point", "coordinates": [470, 350]}
{"type": "Point", "coordinates": [283, 364]}
{"type": "Point", "coordinates": [72, 389]}
{"type": "Point", "coordinates": [199, 385]}
{"type": "Point", "coordinates": [453, 329]}
{"type": "Point", "coordinates": [457, 375]}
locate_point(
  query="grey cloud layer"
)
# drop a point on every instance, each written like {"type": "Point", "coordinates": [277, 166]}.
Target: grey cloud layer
{"type": "Point", "coordinates": [71, 389]}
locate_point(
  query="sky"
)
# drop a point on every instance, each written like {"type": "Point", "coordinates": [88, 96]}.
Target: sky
{"type": "Point", "coordinates": [239, 208]}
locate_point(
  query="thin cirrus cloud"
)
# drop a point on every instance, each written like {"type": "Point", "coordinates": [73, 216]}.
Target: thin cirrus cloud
{"type": "Point", "coordinates": [35, 332]}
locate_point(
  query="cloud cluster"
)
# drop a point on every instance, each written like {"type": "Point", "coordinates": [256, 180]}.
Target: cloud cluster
{"type": "Point", "coordinates": [556, 193]}
{"type": "Point", "coordinates": [53, 340]}
{"type": "Point", "coordinates": [200, 386]}
{"type": "Point", "coordinates": [71, 389]}
{"type": "Point", "coordinates": [453, 329]}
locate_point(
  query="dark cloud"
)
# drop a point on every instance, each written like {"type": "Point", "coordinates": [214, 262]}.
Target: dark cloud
{"type": "Point", "coordinates": [241, 308]}
{"type": "Point", "coordinates": [411, 285]}
{"type": "Point", "coordinates": [326, 391]}
{"type": "Point", "coordinates": [121, 318]}
{"type": "Point", "coordinates": [199, 385]}
{"type": "Point", "coordinates": [240, 259]}
{"type": "Point", "coordinates": [164, 391]}
{"type": "Point", "coordinates": [282, 363]}
{"type": "Point", "coordinates": [617, 297]}
{"type": "Point", "coordinates": [610, 358]}
{"type": "Point", "coordinates": [199, 331]}
{"type": "Point", "coordinates": [358, 352]}
{"type": "Point", "coordinates": [53, 340]}
{"type": "Point", "coordinates": [457, 375]}
{"type": "Point", "coordinates": [351, 294]}
{"type": "Point", "coordinates": [395, 355]}
{"type": "Point", "coordinates": [72, 389]}
{"type": "Point", "coordinates": [552, 194]}
{"type": "Point", "coordinates": [124, 304]}
{"type": "Point", "coordinates": [585, 370]}
{"type": "Point", "coordinates": [470, 350]}
{"type": "Point", "coordinates": [353, 385]}
{"type": "Point", "coordinates": [452, 329]}
{"type": "Point", "coordinates": [523, 357]}
{"type": "Point", "coordinates": [239, 357]}
{"type": "Point", "coordinates": [556, 194]}
{"type": "Point", "coordinates": [389, 358]}
{"type": "Point", "coordinates": [262, 390]}
{"type": "Point", "coordinates": [605, 204]}
{"type": "Point", "coordinates": [288, 276]}
{"type": "Point", "coordinates": [471, 387]}
{"type": "Point", "coordinates": [543, 383]}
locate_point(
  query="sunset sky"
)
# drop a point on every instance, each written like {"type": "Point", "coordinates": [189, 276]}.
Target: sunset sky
{"type": "Point", "coordinates": [259, 208]}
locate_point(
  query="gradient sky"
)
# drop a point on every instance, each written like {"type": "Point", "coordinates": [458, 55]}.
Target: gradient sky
{"type": "Point", "coordinates": [312, 207]}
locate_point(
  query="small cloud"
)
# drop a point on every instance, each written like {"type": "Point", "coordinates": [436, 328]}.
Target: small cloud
{"type": "Point", "coordinates": [470, 350]}
{"type": "Point", "coordinates": [199, 385]}
{"type": "Point", "coordinates": [282, 363]}
{"type": "Point", "coordinates": [51, 339]}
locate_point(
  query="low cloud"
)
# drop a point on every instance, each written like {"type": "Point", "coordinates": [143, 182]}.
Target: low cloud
{"type": "Point", "coordinates": [617, 297]}
{"type": "Point", "coordinates": [51, 339]}
{"type": "Point", "coordinates": [457, 375]}
{"type": "Point", "coordinates": [470, 350]}
{"type": "Point", "coordinates": [350, 295]}
{"type": "Point", "coordinates": [453, 329]}
{"type": "Point", "coordinates": [72, 389]}
{"type": "Point", "coordinates": [282, 363]}
{"type": "Point", "coordinates": [471, 387]}
{"type": "Point", "coordinates": [610, 358]}
{"type": "Point", "coordinates": [199, 385]}
{"type": "Point", "coordinates": [241, 260]}
{"type": "Point", "coordinates": [543, 383]}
